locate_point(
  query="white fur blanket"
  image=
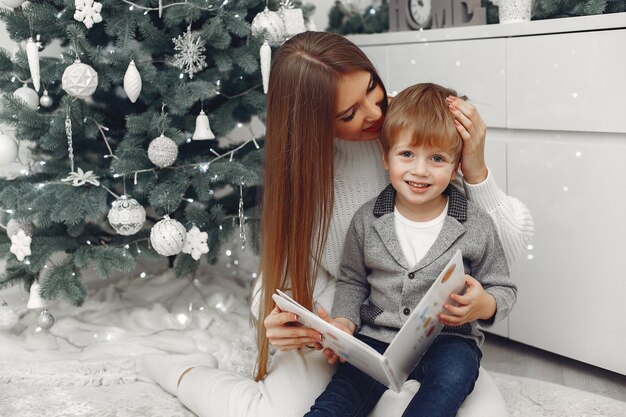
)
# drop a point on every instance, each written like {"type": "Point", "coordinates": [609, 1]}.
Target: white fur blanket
{"type": "Point", "coordinates": [85, 366]}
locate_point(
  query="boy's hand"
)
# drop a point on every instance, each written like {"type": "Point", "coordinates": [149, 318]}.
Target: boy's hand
{"type": "Point", "coordinates": [341, 323]}
{"type": "Point", "coordinates": [475, 304]}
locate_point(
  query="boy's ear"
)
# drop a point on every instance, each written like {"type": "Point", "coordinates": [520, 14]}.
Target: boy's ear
{"type": "Point", "coordinates": [455, 171]}
{"type": "Point", "coordinates": [385, 162]}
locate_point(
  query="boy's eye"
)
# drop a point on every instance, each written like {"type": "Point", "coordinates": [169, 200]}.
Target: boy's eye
{"type": "Point", "coordinates": [438, 158]}
{"type": "Point", "coordinates": [406, 154]}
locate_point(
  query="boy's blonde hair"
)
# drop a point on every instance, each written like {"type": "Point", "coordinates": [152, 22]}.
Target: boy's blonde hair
{"type": "Point", "coordinates": [422, 111]}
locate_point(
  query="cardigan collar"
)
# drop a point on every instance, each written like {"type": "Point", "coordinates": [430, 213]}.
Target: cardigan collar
{"type": "Point", "coordinates": [457, 203]}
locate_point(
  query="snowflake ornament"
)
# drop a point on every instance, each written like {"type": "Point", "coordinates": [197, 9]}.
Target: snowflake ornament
{"type": "Point", "coordinates": [190, 53]}
{"type": "Point", "coordinates": [81, 178]}
{"type": "Point", "coordinates": [20, 245]}
{"type": "Point", "coordinates": [196, 243]}
{"type": "Point", "coordinates": [88, 12]}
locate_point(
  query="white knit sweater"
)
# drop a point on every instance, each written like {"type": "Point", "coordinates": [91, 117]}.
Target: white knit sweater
{"type": "Point", "coordinates": [360, 176]}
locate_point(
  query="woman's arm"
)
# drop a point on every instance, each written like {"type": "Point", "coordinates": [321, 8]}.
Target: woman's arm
{"type": "Point", "coordinates": [512, 218]}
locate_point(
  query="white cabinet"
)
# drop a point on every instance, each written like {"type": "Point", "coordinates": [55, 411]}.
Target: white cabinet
{"type": "Point", "coordinates": [570, 81]}
{"type": "Point", "coordinates": [552, 95]}
{"type": "Point", "coordinates": [572, 282]}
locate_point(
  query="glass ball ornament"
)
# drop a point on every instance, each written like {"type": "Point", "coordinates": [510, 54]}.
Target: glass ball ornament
{"type": "Point", "coordinates": [15, 225]}
{"type": "Point", "coordinates": [8, 149]}
{"type": "Point", "coordinates": [162, 151]}
{"type": "Point", "coordinates": [45, 320]}
{"type": "Point", "coordinates": [269, 26]}
{"type": "Point", "coordinates": [168, 237]}
{"type": "Point", "coordinates": [126, 216]}
{"type": "Point", "coordinates": [8, 316]}
{"type": "Point", "coordinates": [79, 80]}
{"type": "Point", "coordinates": [28, 96]}
{"type": "Point", "coordinates": [45, 100]}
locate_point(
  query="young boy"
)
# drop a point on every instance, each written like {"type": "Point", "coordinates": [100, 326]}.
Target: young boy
{"type": "Point", "coordinates": [397, 244]}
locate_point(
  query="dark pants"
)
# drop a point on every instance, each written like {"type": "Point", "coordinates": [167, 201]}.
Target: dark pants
{"type": "Point", "coordinates": [447, 373]}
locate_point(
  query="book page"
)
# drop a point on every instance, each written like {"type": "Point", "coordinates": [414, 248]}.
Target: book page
{"type": "Point", "coordinates": [346, 346]}
{"type": "Point", "coordinates": [423, 325]}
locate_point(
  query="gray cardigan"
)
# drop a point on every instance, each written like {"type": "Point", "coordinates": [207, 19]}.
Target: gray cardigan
{"type": "Point", "coordinates": [377, 289]}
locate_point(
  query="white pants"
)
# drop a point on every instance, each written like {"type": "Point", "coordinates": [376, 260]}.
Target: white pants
{"type": "Point", "coordinates": [295, 380]}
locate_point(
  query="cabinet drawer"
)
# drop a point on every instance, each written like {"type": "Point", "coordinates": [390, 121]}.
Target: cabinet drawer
{"type": "Point", "coordinates": [572, 81]}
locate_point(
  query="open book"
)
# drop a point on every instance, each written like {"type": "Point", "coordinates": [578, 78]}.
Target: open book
{"type": "Point", "coordinates": [394, 366]}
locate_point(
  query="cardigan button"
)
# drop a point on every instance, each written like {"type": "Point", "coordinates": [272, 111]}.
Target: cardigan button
{"type": "Point", "coordinates": [411, 275]}
{"type": "Point", "coordinates": [406, 311]}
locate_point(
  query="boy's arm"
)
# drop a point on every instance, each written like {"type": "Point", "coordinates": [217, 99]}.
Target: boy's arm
{"type": "Point", "coordinates": [352, 287]}
{"type": "Point", "coordinates": [490, 296]}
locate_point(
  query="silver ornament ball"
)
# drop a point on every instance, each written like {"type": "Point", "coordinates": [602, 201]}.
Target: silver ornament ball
{"type": "Point", "coordinates": [168, 237]}
{"type": "Point", "coordinates": [126, 216]}
{"type": "Point", "coordinates": [269, 25]}
{"type": "Point", "coordinates": [79, 80]}
{"type": "Point", "coordinates": [45, 320]}
{"type": "Point", "coordinates": [162, 151]}
{"type": "Point", "coordinates": [45, 100]}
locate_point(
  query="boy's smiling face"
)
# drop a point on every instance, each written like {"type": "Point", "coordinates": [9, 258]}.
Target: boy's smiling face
{"type": "Point", "coordinates": [419, 175]}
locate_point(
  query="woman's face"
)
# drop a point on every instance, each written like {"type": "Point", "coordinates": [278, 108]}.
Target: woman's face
{"type": "Point", "coordinates": [358, 115]}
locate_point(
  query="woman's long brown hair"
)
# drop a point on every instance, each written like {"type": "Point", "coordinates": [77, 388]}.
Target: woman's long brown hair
{"type": "Point", "coordinates": [298, 182]}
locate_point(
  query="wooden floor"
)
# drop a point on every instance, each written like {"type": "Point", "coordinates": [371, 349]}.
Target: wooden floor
{"type": "Point", "coordinates": [513, 358]}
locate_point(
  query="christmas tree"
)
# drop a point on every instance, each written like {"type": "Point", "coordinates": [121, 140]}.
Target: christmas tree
{"type": "Point", "coordinates": [359, 16]}
{"type": "Point", "coordinates": [550, 9]}
{"type": "Point", "coordinates": [124, 161]}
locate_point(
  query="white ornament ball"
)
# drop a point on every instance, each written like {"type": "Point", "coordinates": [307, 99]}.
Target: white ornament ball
{"type": "Point", "coordinates": [8, 149]}
{"type": "Point", "coordinates": [8, 317]}
{"type": "Point", "coordinates": [162, 151]}
{"type": "Point", "coordinates": [168, 237]}
{"type": "Point", "coordinates": [126, 216]}
{"type": "Point", "coordinates": [45, 100]}
{"type": "Point", "coordinates": [12, 3]}
{"type": "Point", "coordinates": [79, 80]}
{"type": "Point", "coordinates": [28, 96]}
{"type": "Point", "coordinates": [270, 26]}
{"type": "Point", "coordinates": [45, 320]}
{"type": "Point", "coordinates": [15, 225]}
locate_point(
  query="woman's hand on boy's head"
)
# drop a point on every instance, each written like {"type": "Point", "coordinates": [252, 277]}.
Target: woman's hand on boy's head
{"type": "Point", "coordinates": [473, 131]}
{"type": "Point", "coordinates": [474, 304]}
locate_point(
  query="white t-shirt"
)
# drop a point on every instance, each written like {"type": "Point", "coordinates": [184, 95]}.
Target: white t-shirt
{"type": "Point", "coordinates": [416, 238]}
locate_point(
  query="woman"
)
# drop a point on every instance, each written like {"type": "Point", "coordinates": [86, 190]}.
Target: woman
{"type": "Point", "coordinates": [322, 161]}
